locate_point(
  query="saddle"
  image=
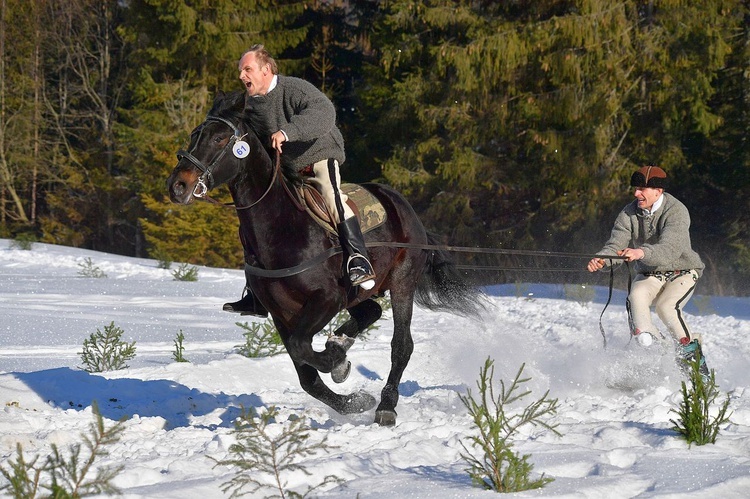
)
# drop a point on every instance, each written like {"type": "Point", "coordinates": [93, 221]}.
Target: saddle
{"type": "Point", "coordinates": [368, 209]}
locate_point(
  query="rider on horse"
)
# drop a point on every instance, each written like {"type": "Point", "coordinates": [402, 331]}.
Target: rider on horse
{"type": "Point", "coordinates": [294, 115]}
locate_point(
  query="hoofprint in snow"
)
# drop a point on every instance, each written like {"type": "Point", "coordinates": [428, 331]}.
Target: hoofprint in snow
{"type": "Point", "coordinates": [614, 405]}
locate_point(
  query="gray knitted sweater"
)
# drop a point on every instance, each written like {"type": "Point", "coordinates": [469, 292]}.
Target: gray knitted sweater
{"type": "Point", "coordinates": [664, 237]}
{"type": "Point", "coordinates": [307, 117]}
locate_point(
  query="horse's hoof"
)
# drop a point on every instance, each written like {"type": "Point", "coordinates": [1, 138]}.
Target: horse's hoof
{"type": "Point", "coordinates": [340, 373]}
{"type": "Point", "coordinates": [385, 418]}
{"type": "Point", "coordinates": [340, 341]}
{"type": "Point", "coordinates": [359, 402]}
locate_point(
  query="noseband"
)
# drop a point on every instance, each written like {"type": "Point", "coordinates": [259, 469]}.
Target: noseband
{"type": "Point", "coordinates": [206, 180]}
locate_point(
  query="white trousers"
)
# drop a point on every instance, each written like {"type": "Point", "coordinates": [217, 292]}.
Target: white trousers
{"type": "Point", "coordinates": [327, 180]}
{"type": "Point", "coordinates": [667, 297]}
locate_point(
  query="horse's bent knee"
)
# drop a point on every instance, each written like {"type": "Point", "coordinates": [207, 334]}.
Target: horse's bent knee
{"type": "Point", "coordinates": [297, 349]}
{"type": "Point", "coordinates": [334, 354]}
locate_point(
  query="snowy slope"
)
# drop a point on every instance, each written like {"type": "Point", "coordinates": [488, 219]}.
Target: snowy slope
{"type": "Point", "coordinates": [615, 404]}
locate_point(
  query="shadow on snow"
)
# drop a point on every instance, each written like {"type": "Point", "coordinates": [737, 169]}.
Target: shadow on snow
{"type": "Point", "coordinates": [177, 404]}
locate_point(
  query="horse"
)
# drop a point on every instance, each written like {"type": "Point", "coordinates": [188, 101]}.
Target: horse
{"type": "Point", "coordinates": [277, 235]}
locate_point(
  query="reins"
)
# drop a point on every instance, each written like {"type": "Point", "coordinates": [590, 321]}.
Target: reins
{"type": "Point", "coordinates": [201, 189]}
{"type": "Point", "coordinates": [276, 170]}
{"type": "Point", "coordinates": [335, 250]}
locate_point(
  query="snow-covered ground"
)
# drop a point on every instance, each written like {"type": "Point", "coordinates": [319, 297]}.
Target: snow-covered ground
{"type": "Point", "coordinates": [615, 404]}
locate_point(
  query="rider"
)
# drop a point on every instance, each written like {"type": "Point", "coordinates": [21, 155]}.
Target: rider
{"type": "Point", "coordinates": [298, 118]}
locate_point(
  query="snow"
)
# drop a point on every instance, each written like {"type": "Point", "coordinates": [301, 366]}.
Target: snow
{"type": "Point", "coordinates": [615, 404]}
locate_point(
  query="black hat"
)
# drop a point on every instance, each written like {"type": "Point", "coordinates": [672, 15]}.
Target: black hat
{"type": "Point", "coordinates": [649, 176]}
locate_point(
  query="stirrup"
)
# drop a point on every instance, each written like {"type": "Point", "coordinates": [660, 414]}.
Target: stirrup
{"type": "Point", "coordinates": [360, 275]}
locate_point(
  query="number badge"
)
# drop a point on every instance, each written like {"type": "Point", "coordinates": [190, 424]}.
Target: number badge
{"type": "Point", "coordinates": [241, 149]}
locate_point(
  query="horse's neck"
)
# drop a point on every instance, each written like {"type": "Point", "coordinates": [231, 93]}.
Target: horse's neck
{"type": "Point", "coordinates": [258, 178]}
{"type": "Point", "coordinates": [273, 223]}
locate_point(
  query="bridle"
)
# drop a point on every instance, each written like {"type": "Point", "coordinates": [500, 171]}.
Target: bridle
{"type": "Point", "coordinates": [240, 149]}
{"type": "Point", "coordinates": [206, 179]}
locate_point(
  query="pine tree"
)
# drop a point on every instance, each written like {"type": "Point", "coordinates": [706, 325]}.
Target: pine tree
{"type": "Point", "coordinates": [719, 178]}
{"type": "Point", "coordinates": [83, 93]}
{"type": "Point", "coordinates": [518, 123]}
{"type": "Point", "coordinates": [22, 159]}
{"type": "Point", "coordinates": [188, 51]}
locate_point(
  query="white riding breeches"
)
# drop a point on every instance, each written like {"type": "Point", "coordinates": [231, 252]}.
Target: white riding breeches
{"type": "Point", "coordinates": [327, 180]}
{"type": "Point", "coordinates": [668, 296]}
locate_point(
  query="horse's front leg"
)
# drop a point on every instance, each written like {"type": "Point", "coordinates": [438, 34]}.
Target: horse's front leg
{"type": "Point", "coordinates": [311, 319]}
{"type": "Point", "coordinates": [363, 315]}
{"type": "Point", "coordinates": [311, 382]}
{"type": "Point", "coordinates": [298, 342]}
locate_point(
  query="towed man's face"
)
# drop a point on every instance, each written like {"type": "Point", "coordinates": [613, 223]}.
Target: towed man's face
{"type": "Point", "coordinates": [647, 196]}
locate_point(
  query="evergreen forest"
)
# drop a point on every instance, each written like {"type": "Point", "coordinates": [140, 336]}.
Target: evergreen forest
{"type": "Point", "coordinates": [506, 123]}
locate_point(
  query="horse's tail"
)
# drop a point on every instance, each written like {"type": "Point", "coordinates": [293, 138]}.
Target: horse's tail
{"type": "Point", "coordinates": [441, 286]}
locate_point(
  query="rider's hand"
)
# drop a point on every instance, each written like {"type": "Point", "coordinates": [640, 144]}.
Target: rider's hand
{"type": "Point", "coordinates": [595, 264]}
{"type": "Point", "coordinates": [277, 139]}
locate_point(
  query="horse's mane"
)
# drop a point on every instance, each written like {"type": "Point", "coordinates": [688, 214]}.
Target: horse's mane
{"type": "Point", "coordinates": [231, 106]}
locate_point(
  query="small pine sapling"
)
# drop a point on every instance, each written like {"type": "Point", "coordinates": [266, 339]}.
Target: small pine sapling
{"type": "Point", "coordinates": [694, 422]}
{"type": "Point", "coordinates": [88, 269]}
{"type": "Point", "coordinates": [179, 350]}
{"type": "Point", "coordinates": [261, 340]}
{"type": "Point", "coordinates": [185, 272]}
{"type": "Point", "coordinates": [23, 241]}
{"type": "Point", "coordinates": [265, 454]}
{"type": "Point", "coordinates": [496, 466]}
{"type": "Point", "coordinates": [105, 351]}
{"type": "Point", "coordinates": [66, 476]}
{"type": "Point", "coordinates": [162, 258]}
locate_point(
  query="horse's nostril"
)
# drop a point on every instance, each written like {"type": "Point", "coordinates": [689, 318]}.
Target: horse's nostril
{"type": "Point", "coordinates": [179, 188]}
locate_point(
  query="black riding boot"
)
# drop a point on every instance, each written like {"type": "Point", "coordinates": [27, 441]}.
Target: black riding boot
{"type": "Point", "coordinates": [353, 243]}
{"type": "Point", "coordinates": [248, 305]}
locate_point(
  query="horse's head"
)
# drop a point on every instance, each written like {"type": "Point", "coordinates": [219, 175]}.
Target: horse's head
{"type": "Point", "coordinates": [212, 158]}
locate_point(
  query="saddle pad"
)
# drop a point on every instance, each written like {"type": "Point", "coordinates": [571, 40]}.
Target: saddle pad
{"type": "Point", "coordinates": [368, 209]}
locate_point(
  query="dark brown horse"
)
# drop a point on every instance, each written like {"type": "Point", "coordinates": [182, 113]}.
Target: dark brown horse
{"type": "Point", "coordinates": [282, 237]}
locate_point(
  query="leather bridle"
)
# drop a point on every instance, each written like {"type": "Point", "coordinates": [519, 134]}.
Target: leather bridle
{"type": "Point", "coordinates": [206, 179]}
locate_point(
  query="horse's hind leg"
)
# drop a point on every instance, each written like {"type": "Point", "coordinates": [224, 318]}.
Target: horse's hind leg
{"type": "Point", "coordinates": [402, 347]}
{"type": "Point", "coordinates": [363, 315]}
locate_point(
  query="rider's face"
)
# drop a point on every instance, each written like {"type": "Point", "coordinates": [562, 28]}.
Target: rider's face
{"type": "Point", "coordinates": [647, 196]}
{"type": "Point", "coordinates": [255, 78]}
